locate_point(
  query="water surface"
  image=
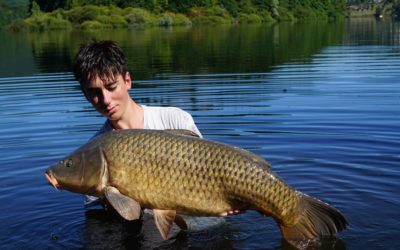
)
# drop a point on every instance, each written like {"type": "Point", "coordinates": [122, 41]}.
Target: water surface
{"type": "Point", "coordinates": [321, 102]}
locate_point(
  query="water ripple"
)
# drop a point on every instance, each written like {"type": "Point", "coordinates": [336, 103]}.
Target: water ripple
{"type": "Point", "coordinates": [329, 126]}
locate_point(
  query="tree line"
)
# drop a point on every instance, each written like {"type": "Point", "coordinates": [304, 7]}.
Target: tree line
{"type": "Point", "coordinates": [239, 10]}
{"type": "Point", "coordinates": [96, 14]}
{"type": "Point", "coordinates": [234, 7]}
{"type": "Point", "coordinates": [101, 14]}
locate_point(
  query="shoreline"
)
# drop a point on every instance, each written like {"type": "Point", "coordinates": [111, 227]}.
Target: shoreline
{"type": "Point", "coordinates": [91, 17]}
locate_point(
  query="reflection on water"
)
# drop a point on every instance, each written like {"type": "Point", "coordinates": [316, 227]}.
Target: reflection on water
{"type": "Point", "coordinates": [107, 231]}
{"type": "Point", "coordinates": [154, 52]}
{"type": "Point", "coordinates": [324, 110]}
{"type": "Point", "coordinates": [369, 31]}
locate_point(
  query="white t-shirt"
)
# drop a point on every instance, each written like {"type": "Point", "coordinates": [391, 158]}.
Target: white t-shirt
{"type": "Point", "coordinates": [159, 118]}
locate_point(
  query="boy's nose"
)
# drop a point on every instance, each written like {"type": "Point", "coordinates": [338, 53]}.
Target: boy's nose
{"type": "Point", "coordinates": [106, 97]}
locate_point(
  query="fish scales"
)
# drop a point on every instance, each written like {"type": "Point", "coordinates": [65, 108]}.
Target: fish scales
{"type": "Point", "coordinates": [207, 177]}
{"type": "Point", "coordinates": [174, 173]}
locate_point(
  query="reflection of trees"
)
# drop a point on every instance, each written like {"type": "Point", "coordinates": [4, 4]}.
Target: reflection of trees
{"type": "Point", "coordinates": [371, 31]}
{"type": "Point", "coordinates": [51, 51]}
{"type": "Point", "coordinates": [15, 55]}
{"type": "Point", "coordinates": [222, 49]}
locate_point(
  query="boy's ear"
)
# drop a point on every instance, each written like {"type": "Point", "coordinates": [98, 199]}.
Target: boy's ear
{"type": "Point", "coordinates": [128, 80]}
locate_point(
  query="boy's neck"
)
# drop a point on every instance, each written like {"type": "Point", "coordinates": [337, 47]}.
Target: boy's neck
{"type": "Point", "coordinates": [131, 119]}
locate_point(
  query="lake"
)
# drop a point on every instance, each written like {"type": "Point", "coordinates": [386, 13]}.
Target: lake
{"type": "Point", "coordinates": [319, 101]}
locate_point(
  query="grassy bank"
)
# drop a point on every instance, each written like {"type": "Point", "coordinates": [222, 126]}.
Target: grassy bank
{"type": "Point", "coordinates": [111, 17]}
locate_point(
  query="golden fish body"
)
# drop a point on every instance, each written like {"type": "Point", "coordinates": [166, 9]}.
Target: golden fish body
{"type": "Point", "coordinates": [191, 175]}
{"type": "Point", "coordinates": [169, 171]}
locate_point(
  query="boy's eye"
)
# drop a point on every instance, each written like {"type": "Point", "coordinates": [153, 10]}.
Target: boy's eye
{"type": "Point", "coordinates": [112, 86]}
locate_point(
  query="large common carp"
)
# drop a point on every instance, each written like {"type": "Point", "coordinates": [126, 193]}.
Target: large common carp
{"type": "Point", "coordinates": [175, 173]}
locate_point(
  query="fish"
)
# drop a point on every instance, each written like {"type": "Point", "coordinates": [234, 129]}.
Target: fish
{"type": "Point", "coordinates": [174, 173]}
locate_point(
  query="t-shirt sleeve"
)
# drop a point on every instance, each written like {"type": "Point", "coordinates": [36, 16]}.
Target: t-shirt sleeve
{"type": "Point", "coordinates": [186, 121]}
{"type": "Point", "coordinates": [168, 118]}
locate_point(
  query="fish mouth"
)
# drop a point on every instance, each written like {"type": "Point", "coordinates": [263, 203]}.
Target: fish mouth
{"type": "Point", "coordinates": [52, 180]}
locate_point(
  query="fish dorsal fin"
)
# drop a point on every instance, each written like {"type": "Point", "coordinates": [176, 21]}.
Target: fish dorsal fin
{"type": "Point", "coordinates": [254, 157]}
{"type": "Point", "coordinates": [164, 220]}
{"type": "Point", "coordinates": [128, 208]}
{"type": "Point", "coordinates": [183, 132]}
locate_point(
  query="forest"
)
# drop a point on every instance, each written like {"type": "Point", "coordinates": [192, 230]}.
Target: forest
{"type": "Point", "coordinates": [100, 14]}
{"type": "Point", "coordinates": [105, 14]}
{"type": "Point", "coordinates": [233, 7]}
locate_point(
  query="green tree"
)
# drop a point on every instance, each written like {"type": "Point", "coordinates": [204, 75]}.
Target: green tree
{"type": "Point", "coordinates": [35, 9]}
{"type": "Point", "coordinates": [274, 8]}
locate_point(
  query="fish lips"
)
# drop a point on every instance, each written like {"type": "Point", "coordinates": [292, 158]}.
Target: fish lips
{"type": "Point", "coordinates": [51, 179]}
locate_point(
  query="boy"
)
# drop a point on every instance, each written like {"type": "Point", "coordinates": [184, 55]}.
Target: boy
{"type": "Point", "coordinates": [101, 69]}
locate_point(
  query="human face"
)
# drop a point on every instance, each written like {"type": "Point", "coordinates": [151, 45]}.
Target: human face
{"type": "Point", "coordinates": [109, 96]}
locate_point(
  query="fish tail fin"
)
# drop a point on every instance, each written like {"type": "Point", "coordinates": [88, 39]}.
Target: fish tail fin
{"type": "Point", "coordinates": [316, 219]}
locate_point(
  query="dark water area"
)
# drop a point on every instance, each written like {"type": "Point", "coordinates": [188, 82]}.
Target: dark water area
{"type": "Point", "coordinates": [321, 102]}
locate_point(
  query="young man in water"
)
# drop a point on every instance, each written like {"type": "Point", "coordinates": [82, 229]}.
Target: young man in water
{"type": "Point", "coordinates": [101, 69]}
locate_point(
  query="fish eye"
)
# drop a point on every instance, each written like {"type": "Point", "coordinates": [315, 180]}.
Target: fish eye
{"type": "Point", "coordinates": [69, 163]}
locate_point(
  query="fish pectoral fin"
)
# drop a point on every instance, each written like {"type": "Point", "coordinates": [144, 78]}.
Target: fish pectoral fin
{"type": "Point", "coordinates": [164, 220]}
{"type": "Point", "coordinates": [128, 208]}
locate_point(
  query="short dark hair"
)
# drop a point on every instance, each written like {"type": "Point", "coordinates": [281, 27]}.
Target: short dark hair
{"type": "Point", "coordinates": [104, 59]}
